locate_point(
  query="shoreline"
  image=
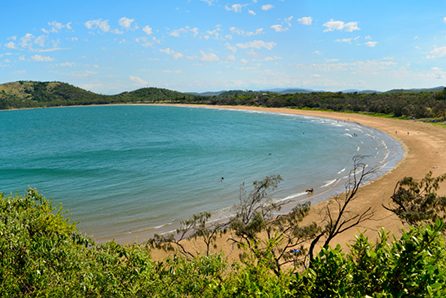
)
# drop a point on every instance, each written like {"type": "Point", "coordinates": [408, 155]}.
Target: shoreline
{"type": "Point", "coordinates": [324, 191]}
{"type": "Point", "coordinates": [423, 145]}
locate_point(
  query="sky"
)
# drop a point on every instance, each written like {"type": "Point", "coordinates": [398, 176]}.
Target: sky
{"type": "Point", "coordinates": [110, 46]}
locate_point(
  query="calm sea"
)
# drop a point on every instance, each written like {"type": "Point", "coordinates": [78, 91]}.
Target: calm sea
{"type": "Point", "coordinates": [126, 171]}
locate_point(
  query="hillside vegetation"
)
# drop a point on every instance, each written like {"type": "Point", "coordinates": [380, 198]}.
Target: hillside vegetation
{"type": "Point", "coordinates": [423, 103]}
{"type": "Point", "coordinates": [27, 94]}
{"type": "Point", "coordinates": [43, 254]}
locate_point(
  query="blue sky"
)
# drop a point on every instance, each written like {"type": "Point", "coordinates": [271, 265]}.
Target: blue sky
{"type": "Point", "coordinates": [203, 45]}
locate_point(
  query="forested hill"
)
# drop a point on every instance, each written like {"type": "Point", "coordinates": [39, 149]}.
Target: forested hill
{"type": "Point", "coordinates": [26, 94]}
{"type": "Point", "coordinates": [413, 103]}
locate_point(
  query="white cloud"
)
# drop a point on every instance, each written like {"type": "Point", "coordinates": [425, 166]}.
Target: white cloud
{"type": "Point", "coordinates": [209, 57]}
{"type": "Point", "coordinates": [26, 40]}
{"type": "Point", "coordinates": [272, 58]}
{"type": "Point", "coordinates": [344, 40]}
{"type": "Point", "coordinates": [437, 52]}
{"type": "Point", "coordinates": [46, 50]}
{"type": "Point", "coordinates": [307, 21]}
{"type": "Point", "coordinates": [288, 21]}
{"type": "Point", "coordinates": [279, 28]}
{"type": "Point", "coordinates": [444, 20]}
{"type": "Point", "coordinates": [138, 80]}
{"type": "Point", "coordinates": [230, 58]}
{"type": "Point", "coordinates": [144, 41]}
{"type": "Point", "coordinates": [242, 32]}
{"type": "Point", "coordinates": [333, 25]}
{"type": "Point", "coordinates": [234, 7]}
{"type": "Point", "coordinates": [214, 33]}
{"type": "Point", "coordinates": [365, 66]}
{"type": "Point", "coordinates": [267, 7]}
{"type": "Point", "coordinates": [251, 12]}
{"type": "Point", "coordinates": [56, 27]}
{"type": "Point", "coordinates": [438, 73]}
{"type": "Point", "coordinates": [66, 64]}
{"type": "Point", "coordinates": [286, 24]}
{"type": "Point", "coordinates": [40, 40]}
{"type": "Point", "coordinates": [231, 48]}
{"type": "Point", "coordinates": [178, 32]}
{"type": "Point", "coordinates": [100, 24]}
{"type": "Point", "coordinates": [174, 54]}
{"type": "Point", "coordinates": [10, 45]}
{"type": "Point", "coordinates": [208, 2]}
{"type": "Point", "coordinates": [147, 30]}
{"type": "Point", "coordinates": [371, 44]}
{"type": "Point", "coordinates": [126, 22]}
{"type": "Point", "coordinates": [40, 58]}
{"type": "Point", "coordinates": [257, 44]}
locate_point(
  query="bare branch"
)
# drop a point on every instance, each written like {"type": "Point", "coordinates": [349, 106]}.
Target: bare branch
{"type": "Point", "coordinates": [342, 219]}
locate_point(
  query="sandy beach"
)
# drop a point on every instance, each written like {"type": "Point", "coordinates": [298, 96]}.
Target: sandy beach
{"type": "Point", "coordinates": [424, 146]}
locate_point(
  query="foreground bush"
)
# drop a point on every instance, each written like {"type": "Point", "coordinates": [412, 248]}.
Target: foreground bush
{"type": "Point", "coordinates": [43, 254]}
{"type": "Point", "coordinates": [413, 266]}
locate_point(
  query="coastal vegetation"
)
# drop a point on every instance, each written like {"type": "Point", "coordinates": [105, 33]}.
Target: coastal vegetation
{"type": "Point", "coordinates": [42, 253]}
{"type": "Point", "coordinates": [429, 104]}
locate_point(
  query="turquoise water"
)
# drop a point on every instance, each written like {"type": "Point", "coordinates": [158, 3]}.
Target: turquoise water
{"type": "Point", "coordinates": [127, 171]}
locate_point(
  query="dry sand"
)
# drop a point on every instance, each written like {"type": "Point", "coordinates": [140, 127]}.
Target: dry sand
{"type": "Point", "coordinates": [424, 146]}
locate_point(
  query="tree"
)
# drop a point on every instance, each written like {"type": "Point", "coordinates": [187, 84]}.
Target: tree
{"type": "Point", "coordinates": [412, 266]}
{"type": "Point", "coordinates": [337, 215]}
{"type": "Point", "coordinates": [417, 202]}
{"type": "Point", "coordinates": [267, 238]}
{"type": "Point", "coordinates": [197, 227]}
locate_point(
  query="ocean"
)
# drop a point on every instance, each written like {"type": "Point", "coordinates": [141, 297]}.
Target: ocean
{"type": "Point", "coordinates": [127, 172]}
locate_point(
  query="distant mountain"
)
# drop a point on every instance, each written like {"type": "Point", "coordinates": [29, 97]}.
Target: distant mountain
{"type": "Point", "coordinates": [207, 93]}
{"type": "Point", "coordinates": [274, 90]}
{"type": "Point", "coordinates": [416, 90]}
{"type": "Point", "coordinates": [360, 91]}
{"type": "Point", "coordinates": [290, 90]}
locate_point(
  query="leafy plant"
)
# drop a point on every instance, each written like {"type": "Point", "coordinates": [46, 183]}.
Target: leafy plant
{"type": "Point", "coordinates": [417, 202]}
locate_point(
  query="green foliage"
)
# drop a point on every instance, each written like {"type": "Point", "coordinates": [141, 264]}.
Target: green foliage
{"type": "Point", "coordinates": [413, 266]}
{"type": "Point", "coordinates": [417, 202]}
{"type": "Point", "coordinates": [43, 254]}
{"type": "Point", "coordinates": [198, 228]}
{"type": "Point", "coordinates": [266, 239]}
{"type": "Point", "coordinates": [255, 209]}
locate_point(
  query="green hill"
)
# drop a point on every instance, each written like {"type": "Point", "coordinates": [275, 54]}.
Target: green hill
{"type": "Point", "coordinates": [24, 94]}
{"type": "Point", "coordinates": [27, 94]}
{"type": "Point", "coordinates": [153, 95]}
